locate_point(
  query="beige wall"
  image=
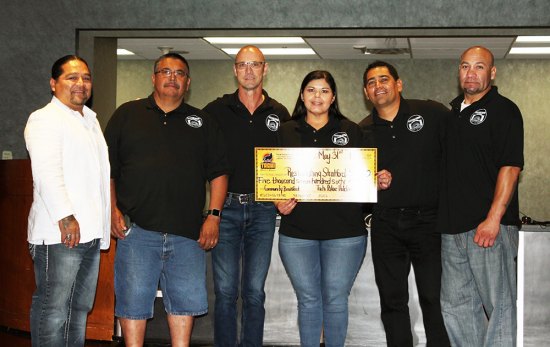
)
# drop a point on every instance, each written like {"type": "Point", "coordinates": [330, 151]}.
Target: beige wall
{"type": "Point", "coordinates": [525, 82]}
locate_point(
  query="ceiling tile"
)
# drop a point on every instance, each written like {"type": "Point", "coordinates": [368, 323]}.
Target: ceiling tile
{"type": "Point", "coordinates": [333, 48]}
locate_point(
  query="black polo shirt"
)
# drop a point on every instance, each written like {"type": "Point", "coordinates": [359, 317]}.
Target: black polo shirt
{"type": "Point", "coordinates": [244, 131]}
{"type": "Point", "coordinates": [411, 148]}
{"type": "Point", "coordinates": [160, 163]}
{"type": "Point", "coordinates": [322, 220]}
{"type": "Point", "coordinates": [482, 138]}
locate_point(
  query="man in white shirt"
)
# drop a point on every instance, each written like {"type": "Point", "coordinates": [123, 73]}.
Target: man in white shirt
{"type": "Point", "coordinates": [69, 220]}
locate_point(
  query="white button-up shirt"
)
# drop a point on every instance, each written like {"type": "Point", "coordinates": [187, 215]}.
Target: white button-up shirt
{"type": "Point", "coordinates": [70, 168]}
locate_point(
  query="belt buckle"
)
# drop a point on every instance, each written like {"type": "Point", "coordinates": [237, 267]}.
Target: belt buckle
{"type": "Point", "coordinates": [244, 199]}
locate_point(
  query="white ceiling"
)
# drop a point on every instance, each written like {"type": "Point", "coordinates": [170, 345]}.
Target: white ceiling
{"type": "Point", "coordinates": [335, 47]}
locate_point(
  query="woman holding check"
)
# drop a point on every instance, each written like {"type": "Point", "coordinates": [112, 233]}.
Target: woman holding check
{"type": "Point", "coordinates": [322, 244]}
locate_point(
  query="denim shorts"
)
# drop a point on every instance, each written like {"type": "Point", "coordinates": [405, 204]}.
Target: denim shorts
{"type": "Point", "coordinates": [146, 260]}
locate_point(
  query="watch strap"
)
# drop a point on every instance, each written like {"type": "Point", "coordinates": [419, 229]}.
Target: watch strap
{"type": "Point", "coordinates": [214, 212]}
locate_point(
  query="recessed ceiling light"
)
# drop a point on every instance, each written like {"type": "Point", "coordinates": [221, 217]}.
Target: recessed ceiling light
{"type": "Point", "coordinates": [122, 51]}
{"type": "Point", "coordinates": [530, 50]}
{"type": "Point", "coordinates": [275, 51]}
{"type": "Point", "coordinates": [254, 40]}
{"type": "Point", "coordinates": [533, 39]}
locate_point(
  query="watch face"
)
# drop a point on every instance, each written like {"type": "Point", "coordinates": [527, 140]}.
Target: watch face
{"type": "Point", "coordinates": [214, 212]}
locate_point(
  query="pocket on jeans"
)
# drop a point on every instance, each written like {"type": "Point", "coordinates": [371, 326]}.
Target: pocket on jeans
{"type": "Point", "coordinates": [267, 205]}
{"type": "Point", "coordinates": [129, 230]}
{"type": "Point", "coordinates": [428, 216]}
{"type": "Point", "coordinates": [512, 234]}
{"type": "Point", "coordinates": [32, 250]}
{"type": "Point", "coordinates": [227, 202]}
{"type": "Point", "coordinates": [461, 240]}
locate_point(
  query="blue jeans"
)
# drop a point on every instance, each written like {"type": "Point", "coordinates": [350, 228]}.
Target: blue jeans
{"type": "Point", "coordinates": [242, 257]}
{"type": "Point", "coordinates": [478, 289]}
{"type": "Point", "coordinates": [146, 259]}
{"type": "Point", "coordinates": [322, 273]}
{"type": "Point", "coordinates": [66, 280]}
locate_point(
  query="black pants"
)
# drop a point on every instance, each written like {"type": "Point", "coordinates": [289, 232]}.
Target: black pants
{"type": "Point", "coordinates": [401, 237]}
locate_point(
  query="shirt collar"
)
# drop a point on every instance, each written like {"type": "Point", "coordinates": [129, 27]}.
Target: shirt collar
{"type": "Point", "coordinates": [89, 115]}
{"type": "Point", "coordinates": [153, 105]}
{"type": "Point", "coordinates": [403, 109]}
{"type": "Point", "coordinates": [236, 101]}
{"type": "Point", "coordinates": [333, 122]}
{"type": "Point", "coordinates": [459, 99]}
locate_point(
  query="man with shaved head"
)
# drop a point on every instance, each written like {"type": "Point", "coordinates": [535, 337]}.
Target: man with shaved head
{"type": "Point", "coordinates": [479, 212]}
{"type": "Point", "coordinates": [248, 118]}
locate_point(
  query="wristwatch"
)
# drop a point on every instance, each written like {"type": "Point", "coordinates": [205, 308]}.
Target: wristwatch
{"type": "Point", "coordinates": [214, 212]}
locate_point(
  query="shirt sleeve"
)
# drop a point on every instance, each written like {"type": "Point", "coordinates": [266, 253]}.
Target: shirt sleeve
{"type": "Point", "coordinates": [217, 163]}
{"type": "Point", "coordinates": [509, 140]}
{"type": "Point", "coordinates": [44, 141]}
{"type": "Point", "coordinates": [112, 135]}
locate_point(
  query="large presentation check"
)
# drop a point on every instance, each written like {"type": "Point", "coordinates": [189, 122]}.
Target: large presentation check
{"type": "Point", "coordinates": [316, 174]}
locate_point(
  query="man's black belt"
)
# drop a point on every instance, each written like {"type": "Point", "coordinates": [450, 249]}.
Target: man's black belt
{"type": "Point", "coordinates": [406, 210]}
{"type": "Point", "coordinates": [243, 199]}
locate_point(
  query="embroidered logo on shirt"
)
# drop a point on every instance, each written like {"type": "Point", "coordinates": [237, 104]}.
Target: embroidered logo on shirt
{"type": "Point", "coordinates": [478, 116]}
{"type": "Point", "coordinates": [272, 122]}
{"type": "Point", "coordinates": [415, 123]}
{"type": "Point", "coordinates": [340, 139]}
{"type": "Point", "coordinates": [194, 121]}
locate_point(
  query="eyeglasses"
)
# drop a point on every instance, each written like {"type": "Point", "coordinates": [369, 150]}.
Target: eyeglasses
{"type": "Point", "coordinates": [252, 64]}
{"type": "Point", "coordinates": [167, 73]}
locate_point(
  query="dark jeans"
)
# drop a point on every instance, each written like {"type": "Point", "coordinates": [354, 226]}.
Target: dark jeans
{"type": "Point", "coordinates": [401, 237]}
{"type": "Point", "coordinates": [240, 262]}
{"type": "Point", "coordinates": [66, 280]}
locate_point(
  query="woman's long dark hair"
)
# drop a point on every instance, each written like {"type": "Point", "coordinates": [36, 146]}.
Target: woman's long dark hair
{"type": "Point", "coordinates": [300, 108]}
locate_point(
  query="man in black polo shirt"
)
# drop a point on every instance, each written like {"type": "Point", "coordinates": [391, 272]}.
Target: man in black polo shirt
{"type": "Point", "coordinates": [409, 136]}
{"type": "Point", "coordinates": [479, 212]}
{"type": "Point", "coordinates": [249, 118]}
{"type": "Point", "coordinates": [162, 152]}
